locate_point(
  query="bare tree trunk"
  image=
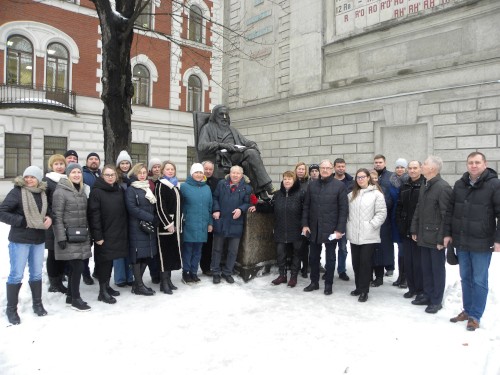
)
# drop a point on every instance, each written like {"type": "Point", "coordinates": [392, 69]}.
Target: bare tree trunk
{"type": "Point", "coordinates": [117, 91]}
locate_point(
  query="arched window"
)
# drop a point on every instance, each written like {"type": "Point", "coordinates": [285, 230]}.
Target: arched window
{"type": "Point", "coordinates": [194, 94]}
{"type": "Point", "coordinates": [19, 61]}
{"type": "Point", "coordinates": [195, 24]}
{"type": "Point", "coordinates": [57, 67]}
{"type": "Point", "coordinates": [140, 79]}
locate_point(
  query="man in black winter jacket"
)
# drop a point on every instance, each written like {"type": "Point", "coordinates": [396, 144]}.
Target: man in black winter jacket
{"type": "Point", "coordinates": [427, 229]}
{"type": "Point", "coordinates": [472, 226]}
{"type": "Point", "coordinates": [324, 221]}
{"type": "Point", "coordinates": [405, 209]}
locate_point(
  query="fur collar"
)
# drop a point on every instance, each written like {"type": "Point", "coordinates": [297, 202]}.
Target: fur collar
{"type": "Point", "coordinates": [167, 183]}
{"type": "Point", "coordinates": [19, 181]}
{"type": "Point", "coordinates": [247, 180]}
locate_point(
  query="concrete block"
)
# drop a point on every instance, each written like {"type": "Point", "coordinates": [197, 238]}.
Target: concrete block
{"type": "Point", "coordinates": [298, 151]}
{"type": "Point", "coordinates": [255, 130]}
{"type": "Point", "coordinates": [332, 140]}
{"type": "Point", "coordinates": [453, 155]}
{"type": "Point", "coordinates": [448, 167]}
{"type": "Point", "coordinates": [489, 103]}
{"type": "Point", "coordinates": [272, 128]}
{"type": "Point", "coordinates": [330, 121]}
{"type": "Point", "coordinates": [338, 150]}
{"type": "Point", "coordinates": [477, 116]}
{"type": "Point", "coordinates": [428, 110]}
{"type": "Point", "coordinates": [364, 127]}
{"type": "Point", "coordinates": [445, 119]}
{"type": "Point", "coordinates": [491, 154]}
{"type": "Point", "coordinates": [357, 118]}
{"type": "Point", "coordinates": [344, 129]}
{"type": "Point", "coordinates": [365, 147]}
{"type": "Point", "coordinates": [306, 124]}
{"type": "Point", "coordinates": [276, 153]}
{"type": "Point", "coordinates": [324, 151]}
{"type": "Point", "coordinates": [298, 134]}
{"type": "Point", "coordinates": [289, 126]}
{"type": "Point", "coordinates": [363, 159]}
{"type": "Point", "coordinates": [359, 138]}
{"type": "Point", "coordinates": [289, 143]}
{"type": "Point", "coordinates": [478, 141]}
{"type": "Point", "coordinates": [377, 116]}
{"type": "Point", "coordinates": [311, 141]}
{"type": "Point", "coordinates": [323, 130]}
{"type": "Point", "coordinates": [458, 106]}
{"type": "Point", "coordinates": [445, 143]}
{"type": "Point", "coordinates": [448, 130]}
{"type": "Point", "coordinates": [488, 128]}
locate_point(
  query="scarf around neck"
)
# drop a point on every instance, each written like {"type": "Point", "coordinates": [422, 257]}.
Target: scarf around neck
{"type": "Point", "coordinates": [173, 180]}
{"type": "Point", "coordinates": [144, 185]}
{"type": "Point", "coordinates": [397, 181]}
{"type": "Point", "coordinates": [34, 217]}
{"type": "Point", "coordinates": [54, 176]}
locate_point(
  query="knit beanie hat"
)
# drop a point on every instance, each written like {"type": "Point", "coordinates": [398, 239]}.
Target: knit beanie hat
{"type": "Point", "coordinates": [72, 166]}
{"type": "Point", "coordinates": [93, 154]}
{"type": "Point", "coordinates": [402, 163]}
{"type": "Point", "coordinates": [196, 167]}
{"type": "Point", "coordinates": [313, 166]}
{"type": "Point", "coordinates": [153, 162]}
{"type": "Point", "coordinates": [124, 156]}
{"type": "Point", "coordinates": [71, 152]}
{"type": "Point", "coordinates": [33, 171]}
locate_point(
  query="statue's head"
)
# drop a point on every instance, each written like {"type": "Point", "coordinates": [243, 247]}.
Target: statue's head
{"type": "Point", "coordinates": [220, 115]}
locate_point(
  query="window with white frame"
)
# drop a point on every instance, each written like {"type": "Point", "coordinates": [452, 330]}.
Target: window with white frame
{"type": "Point", "coordinates": [195, 24]}
{"type": "Point", "coordinates": [140, 80]}
{"type": "Point", "coordinates": [57, 67]}
{"type": "Point", "coordinates": [194, 94]}
{"type": "Point", "coordinates": [19, 61]}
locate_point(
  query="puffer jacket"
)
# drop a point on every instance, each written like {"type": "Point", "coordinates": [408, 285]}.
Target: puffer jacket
{"type": "Point", "coordinates": [407, 202]}
{"type": "Point", "coordinates": [108, 220]}
{"type": "Point", "coordinates": [12, 213]}
{"type": "Point", "coordinates": [304, 183]}
{"type": "Point", "coordinates": [141, 244]}
{"type": "Point", "coordinates": [52, 179]}
{"type": "Point", "coordinates": [367, 213]}
{"type": "Point", "coordinates": [473, 214]}
{"type": "Point", "coordinates": [69, 208]}
{"type": "Point", "coordinates": [428, 220]}
{"type": "Point", "coordinates": [196, 210]}
{"type": "Point", "coordinates": [287, 208]}
{"type": "Point", "coordinates": [325, 208]}
{"type": "Point", "coordinates": [226, 202]}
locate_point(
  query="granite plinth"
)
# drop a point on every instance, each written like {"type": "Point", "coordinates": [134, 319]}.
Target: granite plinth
{"type": "Point", "coordinates": [257, 250]}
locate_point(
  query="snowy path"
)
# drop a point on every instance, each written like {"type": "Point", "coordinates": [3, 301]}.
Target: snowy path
{"type": "Point", "coordinates": [248, 328]}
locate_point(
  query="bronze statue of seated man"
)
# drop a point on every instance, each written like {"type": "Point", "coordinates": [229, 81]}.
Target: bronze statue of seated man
{"type": "Point", "coordinates": [235, 149]}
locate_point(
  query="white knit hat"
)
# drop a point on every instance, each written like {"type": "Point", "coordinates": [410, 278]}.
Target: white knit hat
{"type": "Point", "coordinates": [124, 156]}
{"type": "Point", "coordinates": [34, 171]}
{"type": "Point", "coordinates": [402, 163]}
{"type": "Point", "coordinates": [196, 167]}
{"type": "Point", "coordinates": [153, 162]}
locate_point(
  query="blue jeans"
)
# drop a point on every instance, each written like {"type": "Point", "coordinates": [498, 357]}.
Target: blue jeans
{"type": "Point", "coordinates": [474, 275]}
{"type": "Point", "coordinates": [22, 253]}
{"type": "Point", "coordinates": [123, 273]}
{"type": "Point", "coordinates": [342, 255]}
{"type": "Point", "coordinates": [232, 253]}
{"type": "Point", "coordinates": [315, 256]}
{"type": "Point", "coordinates": [191, 255]}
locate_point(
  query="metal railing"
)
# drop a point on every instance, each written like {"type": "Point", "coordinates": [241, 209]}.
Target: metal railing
{"type": "Point", "coordinates": [37, 96]}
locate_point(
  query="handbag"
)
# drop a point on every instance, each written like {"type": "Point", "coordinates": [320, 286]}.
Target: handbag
{"type": "Point", "coordinates": [77, 234]}
{"type": "Point", "coordinates": [451, 256]}
{"type": "Point", "coordinates": [144, 225]}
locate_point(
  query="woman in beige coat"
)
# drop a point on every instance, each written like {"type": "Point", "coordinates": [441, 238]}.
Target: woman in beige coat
{"type": "Point", "coordinates": [367, 212]}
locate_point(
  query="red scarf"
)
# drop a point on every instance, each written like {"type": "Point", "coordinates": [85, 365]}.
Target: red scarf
{"type": "Point", "coordinates": [233, 188]}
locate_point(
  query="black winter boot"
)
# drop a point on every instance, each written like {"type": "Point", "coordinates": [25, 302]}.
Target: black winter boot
{"type": "Point", "coordinates": [144, 265]}
{"type": "Point", "coordinates": [169, 280]}
{"type": "Point", "coordinates": [54, 285]}
{"type": "Point", "coordinates": [401, 269]}
{"type": "Point", "coordinates": [111, 291]}
{"type": "Point", "coordinates": [138, 287]}
{"type": "Point", "coordinates": [36, 296]}
{"type": "Point", "coordinates": [164, 285]}
{"type": "Point", "coordinates": [104, 295]}
{"type": "Point", "coordinates": [12, 299]}
{"type": "Point", "coordinates": [61, 285]}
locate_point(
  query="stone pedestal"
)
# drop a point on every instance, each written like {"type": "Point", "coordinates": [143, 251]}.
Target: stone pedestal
{"type": "Point", "coordinates": [257, 249]}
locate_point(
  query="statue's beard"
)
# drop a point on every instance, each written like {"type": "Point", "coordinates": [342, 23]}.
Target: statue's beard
{"type": "Point", "coordinates": [223, 123]}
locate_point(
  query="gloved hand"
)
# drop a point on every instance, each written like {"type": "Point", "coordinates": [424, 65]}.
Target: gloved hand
{"type": "Point", "coordinates": [156, 222]}
{"type": "Point", "coordinates": [62, 244]}
{"type": "Point", "coordinates": [227, 146]}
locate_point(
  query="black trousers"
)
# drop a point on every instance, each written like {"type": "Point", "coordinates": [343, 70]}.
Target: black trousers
{"type": "Point", "coordinates": [413, 266]}
{"type": "Point", "coordinates": [75, 274]}
{"type": "Point", "coordinates": [361, 256]}
{"type": "Point", "coordinates": [304, 254]}
{"type": "Point", "coordinates": [104, 271]}
{"type": "Point", "coordinates": [206, 253]}
{"type": "Point", "coordinates": [433, 273]}
{"type": "Point", "coordinates": [55, 267]}
{"type": "Point", "coordinates": [281, 252]}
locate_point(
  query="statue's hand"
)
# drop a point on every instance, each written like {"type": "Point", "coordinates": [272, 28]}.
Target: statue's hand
{"type": "Point", "coordinates": [227, 146]}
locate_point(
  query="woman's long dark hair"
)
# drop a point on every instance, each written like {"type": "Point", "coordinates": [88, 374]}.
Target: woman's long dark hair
{"type": "Point", "coordinates": [356, 188]}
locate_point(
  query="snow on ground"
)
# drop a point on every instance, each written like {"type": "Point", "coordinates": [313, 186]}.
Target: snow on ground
{"type": "Point", "coordinates": [247, 329]}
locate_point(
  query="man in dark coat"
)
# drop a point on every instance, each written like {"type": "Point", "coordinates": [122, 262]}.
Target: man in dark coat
{"type": "Point", "coordinates": [324, 221]}
{"type": "Point", "coordinates": [206, 249]}
{"type": "Point", "coordinates": [472, 226]}
{"type": "Point", "coordinates": [427, 229]}
{"type": "Point", "coordinates": [219, 135]}
{"type": "Point", "coordinates": [384, 176]}
{"type": "Point", "coordinates": [405, 209]}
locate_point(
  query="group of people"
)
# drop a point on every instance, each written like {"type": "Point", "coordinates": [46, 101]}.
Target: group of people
{"type": "Point", "coordinates": [140, 216]}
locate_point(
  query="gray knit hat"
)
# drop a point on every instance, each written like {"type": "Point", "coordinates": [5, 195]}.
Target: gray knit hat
{"type": "Point", "coordinates": [402, 163]}
{"type": "Point", "coordinates": [33, 171]}
{"type": "Point", "coordinates": [72, 166]}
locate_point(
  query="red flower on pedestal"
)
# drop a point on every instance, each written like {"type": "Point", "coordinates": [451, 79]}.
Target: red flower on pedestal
{"type": "Point", "coordinates": [253, 199]}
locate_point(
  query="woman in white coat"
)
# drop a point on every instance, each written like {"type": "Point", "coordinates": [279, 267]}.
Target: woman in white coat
{"type": "Point", "coordinates": [367, 212]}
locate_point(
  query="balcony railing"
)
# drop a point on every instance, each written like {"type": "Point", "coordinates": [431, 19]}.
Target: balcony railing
{"type": "Point", "coordinates": [37, 96]}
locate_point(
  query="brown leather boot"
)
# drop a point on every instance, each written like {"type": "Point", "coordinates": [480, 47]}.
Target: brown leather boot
{"type": "Point", "coordinates": [472, 324]}
{"type": "Point", "coordinates": [292, 282]}
{"type": "Point", "coordinates": [281, 279]}
{"type": "Point", "coordinates": [462, 317]}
